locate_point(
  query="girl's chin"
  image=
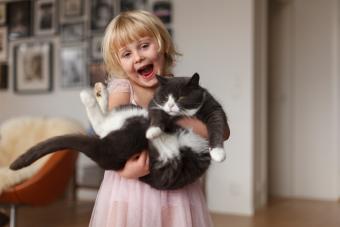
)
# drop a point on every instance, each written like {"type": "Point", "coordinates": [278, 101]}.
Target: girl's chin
{"type": "Point", "coordinates": [149, 82]}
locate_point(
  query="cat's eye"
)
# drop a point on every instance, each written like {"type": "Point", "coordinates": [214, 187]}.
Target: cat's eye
{"type": "Point", "coordinates": [181, 98]}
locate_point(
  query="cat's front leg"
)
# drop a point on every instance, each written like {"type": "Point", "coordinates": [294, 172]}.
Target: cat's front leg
{"type": "Point", "coordinates": [159, 120]}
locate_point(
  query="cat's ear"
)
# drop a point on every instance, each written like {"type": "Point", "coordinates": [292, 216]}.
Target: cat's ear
{"type": "Point", "coordinates": [162, 79]}
{"type": "Point", "coordinates": [194, 80]}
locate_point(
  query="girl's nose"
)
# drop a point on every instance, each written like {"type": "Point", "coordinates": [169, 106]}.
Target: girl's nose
{"type": "Point", "coordinates": [138, 57]}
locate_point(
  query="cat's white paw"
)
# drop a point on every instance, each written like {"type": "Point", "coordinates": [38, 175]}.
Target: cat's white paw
{"type": "Point", "coordinates": [87, 98]}
{"type": "Point", "coordinates": [153, 132]}
{"type": "Point", "coordinates": [102, 96]}
{"type": "Point", "coordinates": [217, 154]}
{"type": "Point", "coordinates": [100, 90]}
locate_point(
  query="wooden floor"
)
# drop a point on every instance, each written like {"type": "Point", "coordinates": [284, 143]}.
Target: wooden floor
{"type": "Point", "coordinates": [279, 213]}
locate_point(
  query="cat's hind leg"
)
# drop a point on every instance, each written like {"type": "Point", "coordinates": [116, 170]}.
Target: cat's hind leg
{"type": "Point", "coordinates": [94, 113]}
{"type": "Point", "coordinates": [102, 96]}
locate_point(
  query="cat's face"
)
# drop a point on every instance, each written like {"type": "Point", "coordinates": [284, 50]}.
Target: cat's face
{"type": "Point", "coordinates": [179, 95]}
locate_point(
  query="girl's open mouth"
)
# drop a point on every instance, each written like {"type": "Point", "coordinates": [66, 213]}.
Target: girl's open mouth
{"type": "Point", "coordinates": [146, 71]}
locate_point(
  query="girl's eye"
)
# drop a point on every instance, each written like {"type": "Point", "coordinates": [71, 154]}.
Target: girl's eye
{"type": "Point", "coordinates": [144, 45]}
{"type": "Point", "coordinates": [126, 55]}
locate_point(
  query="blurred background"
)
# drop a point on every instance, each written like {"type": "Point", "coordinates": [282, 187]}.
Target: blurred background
{"type": "Point", "coordinates": [273, 64]}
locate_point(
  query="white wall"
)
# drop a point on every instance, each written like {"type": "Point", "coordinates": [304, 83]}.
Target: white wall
{"type": "Point", "coordinates": [304, 104]}
{"type": "Point", "coordinates": [217, 40]}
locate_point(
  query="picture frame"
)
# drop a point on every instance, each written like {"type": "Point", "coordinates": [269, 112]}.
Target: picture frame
{"type": "Point", "coordinates": [96, 47]}
{"type": "Point", "coordinates": [33, 67]}
{"type": "Point", "coordinates": [71, 9]}
{"type": "Point", "coordinates": [127, 5]}
{"type": "Point", "coordinates": [97, 73]}
{"type": "Point", "coordinates": [72, 32]}
{"type": "Point", "coordinates": [3, 76]}
{"type": "Point", "coordinates": [19, 19]}
{"type": "Point", "coordinates": [3, 44]}
{"type": "Point", "coordinates": [3, 13]}
{"type": "Point", "coordinates": [45, 22]}
{"type": "Point", "coordinates": [74, 66]}
{"type": "Point", "coordinates": [102, 11]}
{"type": "Point", "coordinates": [163, 10]}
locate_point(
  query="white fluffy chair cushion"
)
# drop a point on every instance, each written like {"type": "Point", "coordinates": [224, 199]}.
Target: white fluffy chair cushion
{"type": "Point", "coordinates": [19, 134]}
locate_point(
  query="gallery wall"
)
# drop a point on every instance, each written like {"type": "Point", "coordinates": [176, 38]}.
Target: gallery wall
{"type": "Point", "coordinates": [216, 39]}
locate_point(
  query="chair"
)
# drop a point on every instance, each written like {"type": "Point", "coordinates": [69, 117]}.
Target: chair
{"type": "Point", "coordinates": [47, 178]}
{"type": "Point", "coordinates": [45, 186]}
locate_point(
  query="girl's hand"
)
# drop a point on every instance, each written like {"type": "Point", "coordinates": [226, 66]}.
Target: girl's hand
{"type": "Point", "coordinates": [137, 166]}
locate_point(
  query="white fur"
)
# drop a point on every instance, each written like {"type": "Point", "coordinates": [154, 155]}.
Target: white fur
{"type": "Point", "coordinates": [171, 107]}
{"type": "Point", "coordinates": [153, 132]}
{"type": "Point", "coordinates": [104, 123]}
{"type": "Point", "coordinates": [168, 145]}
{"type": "Point", "coordinates": [19, 134]}
{"type": "Point", "coordinates": [102, 96]}
{"type": "Point", "coordinates": [218, 154]}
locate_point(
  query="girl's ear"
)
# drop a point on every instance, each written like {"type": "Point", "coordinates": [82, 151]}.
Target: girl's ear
{"type": "Point", "coordinates": [162, 79]}
{"type": "Point", "coordinates": [194, 80]}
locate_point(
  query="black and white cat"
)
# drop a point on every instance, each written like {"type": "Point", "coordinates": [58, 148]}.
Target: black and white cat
{"type": "Point", "coordinates": [177, 155]}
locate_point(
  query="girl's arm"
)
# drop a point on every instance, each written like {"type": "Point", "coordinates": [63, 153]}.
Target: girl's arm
{"type": "Point", "coordinates": [199, 127]}
{"type": "Point", "coordinates": [137, 165]}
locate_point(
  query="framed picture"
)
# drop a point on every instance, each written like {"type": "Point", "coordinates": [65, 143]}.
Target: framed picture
{"type": "Point", "coordinates": [72, 32]}
{"type": "Point", "coordinates": [45, 17]}
{"type": "Point", "coordinates": [73, 60]}
{"type": "Point", "coordinates": [96, 47]}
{"type": "Point", "coordinates": [3, 76]}
{"type": "Point", "coordinates": [3, 44]}
{"type": "Point", "coordinates": [19, 19]}
{"type": "Point", "coordinates": [2, 13]}
{"type": "Point", "coordinates": [33, 67]}
{"type": "Point", "coordinates": [102, 11]}
{"type": "Point", "coordinates": [163, 11]}
{"type": "Point", "coordinates": [97, 73]}
{"type": "Point", "coordinates": [126, 5]}
{"type": "Point", "coordinates": [71, 9]}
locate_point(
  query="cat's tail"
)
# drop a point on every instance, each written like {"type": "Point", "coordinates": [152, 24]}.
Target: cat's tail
{"type": "Point", "coordinates": [77, 142]}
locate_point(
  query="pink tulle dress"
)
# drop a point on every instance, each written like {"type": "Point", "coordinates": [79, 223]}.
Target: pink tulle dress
{"type": "Point", "coordinates": [123, 202]}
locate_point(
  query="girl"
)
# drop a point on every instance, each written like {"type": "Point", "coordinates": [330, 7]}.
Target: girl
{"type": "Point", "coordinates": [136, 47]}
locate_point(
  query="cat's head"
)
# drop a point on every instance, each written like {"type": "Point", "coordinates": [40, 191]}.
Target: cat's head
{"type": "Point", "coordinates": [179, 95]}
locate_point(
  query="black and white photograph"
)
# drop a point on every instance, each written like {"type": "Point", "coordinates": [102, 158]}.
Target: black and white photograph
{"type": "Point", "coordinates": [162, 10]}
{"type": "Point", "coordinates": [3, 76]}
{"type": "Point", "coordinates": [102, 11]}
{"type": "Point", "coordinates": [70, 9]}
{"type": "Point", "coordinates": [3, 44]}
{"type": "Point", "coordinates": [97, 73]}
{"type": "Point", "coordinates": [74, 73]}
{"type": "Point", "coordinates": [72, 32]}
{"type": "Point", "coordinates": [19, 19]}
{"type": "Point", "coordinates": [2, 13]}
{"type": "Point", "coordinates": [45, 17]}
{"type": "Point", "coordinates": [33, 67]}
{"type": "Point", "coordinates": [96, 47]}
{"type": "Point", "coordinates": [126, 5]}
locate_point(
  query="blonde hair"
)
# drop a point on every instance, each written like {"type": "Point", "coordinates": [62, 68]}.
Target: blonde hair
{"type": "Point", "coordinates": [128, 27]}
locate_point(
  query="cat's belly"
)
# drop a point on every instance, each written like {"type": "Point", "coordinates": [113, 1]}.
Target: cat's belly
{"type": "Point", "coordinates": [169, 145]}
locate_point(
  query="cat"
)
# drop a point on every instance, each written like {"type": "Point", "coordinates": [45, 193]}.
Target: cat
{"type": "Point", "coordinates": [178, 97]}
{"type": "Point", "coordinates": [177, 155]}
